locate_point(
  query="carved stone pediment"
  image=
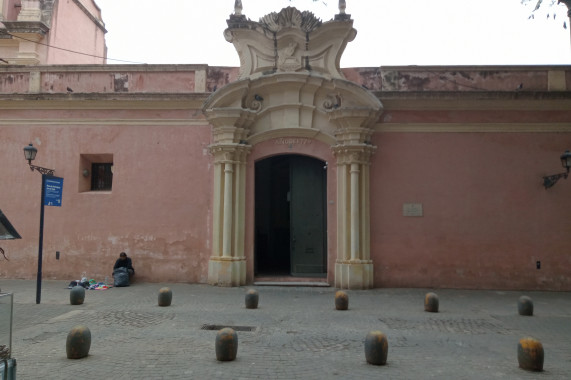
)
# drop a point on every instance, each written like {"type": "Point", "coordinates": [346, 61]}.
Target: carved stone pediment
{"type": "Point", "coordinates": [290, 82]}
{"type": "Point", "coordinates": [290, 18]}
{"type": "Point", "coordinates": [289, 41]}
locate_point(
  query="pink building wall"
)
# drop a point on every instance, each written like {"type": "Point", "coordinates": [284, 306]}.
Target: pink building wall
{"type": "Point", "coordinates": [12, 9]}
{"type": "Point", "coordinates": [74, 34]}
{"type": "Point", "coordinates": [73, 29]}
{"type": "Point", "coordinates": [157, 211]}
{"type": "Point", "coordinates": [486, 219]}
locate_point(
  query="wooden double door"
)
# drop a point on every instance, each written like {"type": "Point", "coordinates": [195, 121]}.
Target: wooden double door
{"type": "Point", "coordinates": [290, 212]}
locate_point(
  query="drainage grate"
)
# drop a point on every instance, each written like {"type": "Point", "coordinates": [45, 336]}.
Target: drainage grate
{"type": "Point", "coordinates": [235, 328]}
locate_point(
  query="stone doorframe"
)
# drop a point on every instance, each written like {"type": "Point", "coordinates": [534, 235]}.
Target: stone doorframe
{"type": "Point", "coordinates": [334, 111]}
{"type": "Point", "coordinates": [290, 85]}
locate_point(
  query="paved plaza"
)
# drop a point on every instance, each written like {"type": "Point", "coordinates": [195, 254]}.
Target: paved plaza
{"type": "Point", "coordinates": [296, 333]}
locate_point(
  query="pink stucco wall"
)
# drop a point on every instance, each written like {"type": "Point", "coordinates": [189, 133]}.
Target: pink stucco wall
{"type": "Point", "coordinates": [158, 210]}
{"type": "Point", "coordinates": [75, 33]}
{"type": "Point", "coordinates": [97, 79]}
{"type": "Point", "coordinates": [487, 217]}
{"type": "Point", "coordinates": [11, 9]}
{"type": "Point", "coordinates": [72, 29]}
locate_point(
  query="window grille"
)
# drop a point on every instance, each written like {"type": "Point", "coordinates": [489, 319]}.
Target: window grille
{"type": "Point", "coordinates": [101, 177]}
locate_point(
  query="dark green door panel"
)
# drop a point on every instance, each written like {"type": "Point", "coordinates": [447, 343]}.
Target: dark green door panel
{"type": "Point", "coordinates": [307, 216]}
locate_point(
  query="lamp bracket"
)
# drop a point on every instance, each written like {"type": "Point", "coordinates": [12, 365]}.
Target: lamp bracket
{"type": "Point", "coordinates": [551, 180]}
{"type": "Point", "coordinates": [42, 170]}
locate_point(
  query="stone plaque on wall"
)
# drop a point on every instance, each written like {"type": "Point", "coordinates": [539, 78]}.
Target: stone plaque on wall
{"type": "Point", "coordinates": [412, 209]}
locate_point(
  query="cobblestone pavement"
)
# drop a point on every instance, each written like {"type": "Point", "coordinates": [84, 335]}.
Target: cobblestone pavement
{"type": "Point", "coordinates": [296, 333]}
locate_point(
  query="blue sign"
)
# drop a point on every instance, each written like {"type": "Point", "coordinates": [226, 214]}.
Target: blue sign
{"type": "Point", "coordinates": [53, 189]}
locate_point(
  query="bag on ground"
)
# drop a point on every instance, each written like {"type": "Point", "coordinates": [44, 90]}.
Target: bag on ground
{"type": "Point", "coordinates": [121, 277]}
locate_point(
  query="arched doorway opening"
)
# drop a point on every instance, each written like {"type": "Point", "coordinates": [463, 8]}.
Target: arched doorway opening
{"type": "Point", "coordinates": [290, 217]}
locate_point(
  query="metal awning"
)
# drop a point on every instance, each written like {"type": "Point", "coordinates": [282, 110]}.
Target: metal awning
{"type": "Point", "coordinates": [7, 231]}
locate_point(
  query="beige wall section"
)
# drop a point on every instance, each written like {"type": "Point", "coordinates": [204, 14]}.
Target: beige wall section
{"type": "Point", "coordinates": [556, 80]}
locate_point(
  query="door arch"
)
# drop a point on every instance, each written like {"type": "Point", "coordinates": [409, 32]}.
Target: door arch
{"type": "Point", "coordinates": [290, 216]}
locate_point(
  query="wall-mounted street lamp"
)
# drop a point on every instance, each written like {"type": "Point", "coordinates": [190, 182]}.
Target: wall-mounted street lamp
{"type": "Point", "coordinates": [551, 180]}
{"type": "Point", "coordinates": [30, 154]}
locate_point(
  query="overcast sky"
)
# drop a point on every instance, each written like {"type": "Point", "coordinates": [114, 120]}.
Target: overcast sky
{"type": "Point", "coordinates": [389, 32]}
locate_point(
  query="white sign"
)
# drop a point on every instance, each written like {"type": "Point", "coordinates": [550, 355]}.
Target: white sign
{"type": "Point", "coordinates": [412, 209]}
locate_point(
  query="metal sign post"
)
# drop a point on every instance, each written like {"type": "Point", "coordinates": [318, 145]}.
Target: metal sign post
{"type": "Point", "coordinates": [51, 196]}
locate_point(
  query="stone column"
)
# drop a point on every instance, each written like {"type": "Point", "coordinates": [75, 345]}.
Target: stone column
{"type": "Point", "coordinates": [30, 11]}
{"type": "Point", "coordinates": [355, 238]}
{"type": "Point", "coordinates": [27, 48]}
{"type": "Point", "coordinates": [353, 267]}
{"type": "Point", "coordinates": [227, 265]}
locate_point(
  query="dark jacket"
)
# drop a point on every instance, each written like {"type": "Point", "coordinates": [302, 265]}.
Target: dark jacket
{"type": "Point", "coordinates": [124, 264]}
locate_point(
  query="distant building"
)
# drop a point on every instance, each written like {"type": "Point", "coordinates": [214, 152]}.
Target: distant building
{"type": "Point", "coordinates": [51, 32]}
{"type": "Point", "coordinates": [291, 168]}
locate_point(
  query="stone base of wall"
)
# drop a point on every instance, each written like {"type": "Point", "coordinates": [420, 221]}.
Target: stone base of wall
{"type": "Point", "coordinates": [227, 271]}
{"type": "Point", "coordinates": [354, 274]}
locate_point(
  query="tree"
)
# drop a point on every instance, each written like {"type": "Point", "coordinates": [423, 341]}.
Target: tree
{"type": "Point", "coordinates": [549, 3]}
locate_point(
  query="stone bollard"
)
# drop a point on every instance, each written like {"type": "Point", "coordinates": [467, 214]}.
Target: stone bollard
{"type": "Point", "coordinates": [251, 299]}
{"type": "Point", "coordinates": [525, 306]}
{"type": "Point", "coordinates": [341, 300]}
{"type": "Point", "coordinates": [530, 354]}
{"type": "Point", "coordinates": [376, 348]}
{"type": "Point", "coordinates": [431, 302]}
{"type": "Point", "coordinates": [77, 295]}
{"type": "Point", "coordinates": [226, 344]}
{"type": "Point", "coordinates": [165, 296]}
{"type": "Point", "coordinates": [78, 342]}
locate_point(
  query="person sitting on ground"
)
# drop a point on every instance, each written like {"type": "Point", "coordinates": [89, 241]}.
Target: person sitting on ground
{"type": "Point", "coordinates": [124, 262]}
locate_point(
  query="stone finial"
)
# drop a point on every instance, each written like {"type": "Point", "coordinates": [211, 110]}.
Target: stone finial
{"type": "Point", "coordinates": [342, 16]}
{"type": "Point", "coordinates": [342, 6]}
{"type": "Point", "coordinates": [238, 7]}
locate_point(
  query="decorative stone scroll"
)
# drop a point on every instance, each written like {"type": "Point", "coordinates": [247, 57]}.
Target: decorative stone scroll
{"type": "Point", "coordinates": [290, 18]}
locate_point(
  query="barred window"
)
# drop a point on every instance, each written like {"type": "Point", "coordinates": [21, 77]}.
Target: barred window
{"type": "Point", "coordinates": [101, 177]}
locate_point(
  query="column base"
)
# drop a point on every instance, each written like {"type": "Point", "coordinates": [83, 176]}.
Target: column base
{"type": "Point", "coordinates": [354, 274]}
{"type": "Point", "coordinates": [227, 271]}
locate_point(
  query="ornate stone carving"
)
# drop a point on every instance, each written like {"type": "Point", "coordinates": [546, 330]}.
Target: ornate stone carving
{"type": "Point", "coordinates": [332, 101]}
{"type": "Point", "coordinates": [288, 41]}
{"type": "Point", "coordinates": [286, 59]}
{"type": "Point", "coordinates": [256, 105]}
{"type": "Point", "coordinates": [290, 18]}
